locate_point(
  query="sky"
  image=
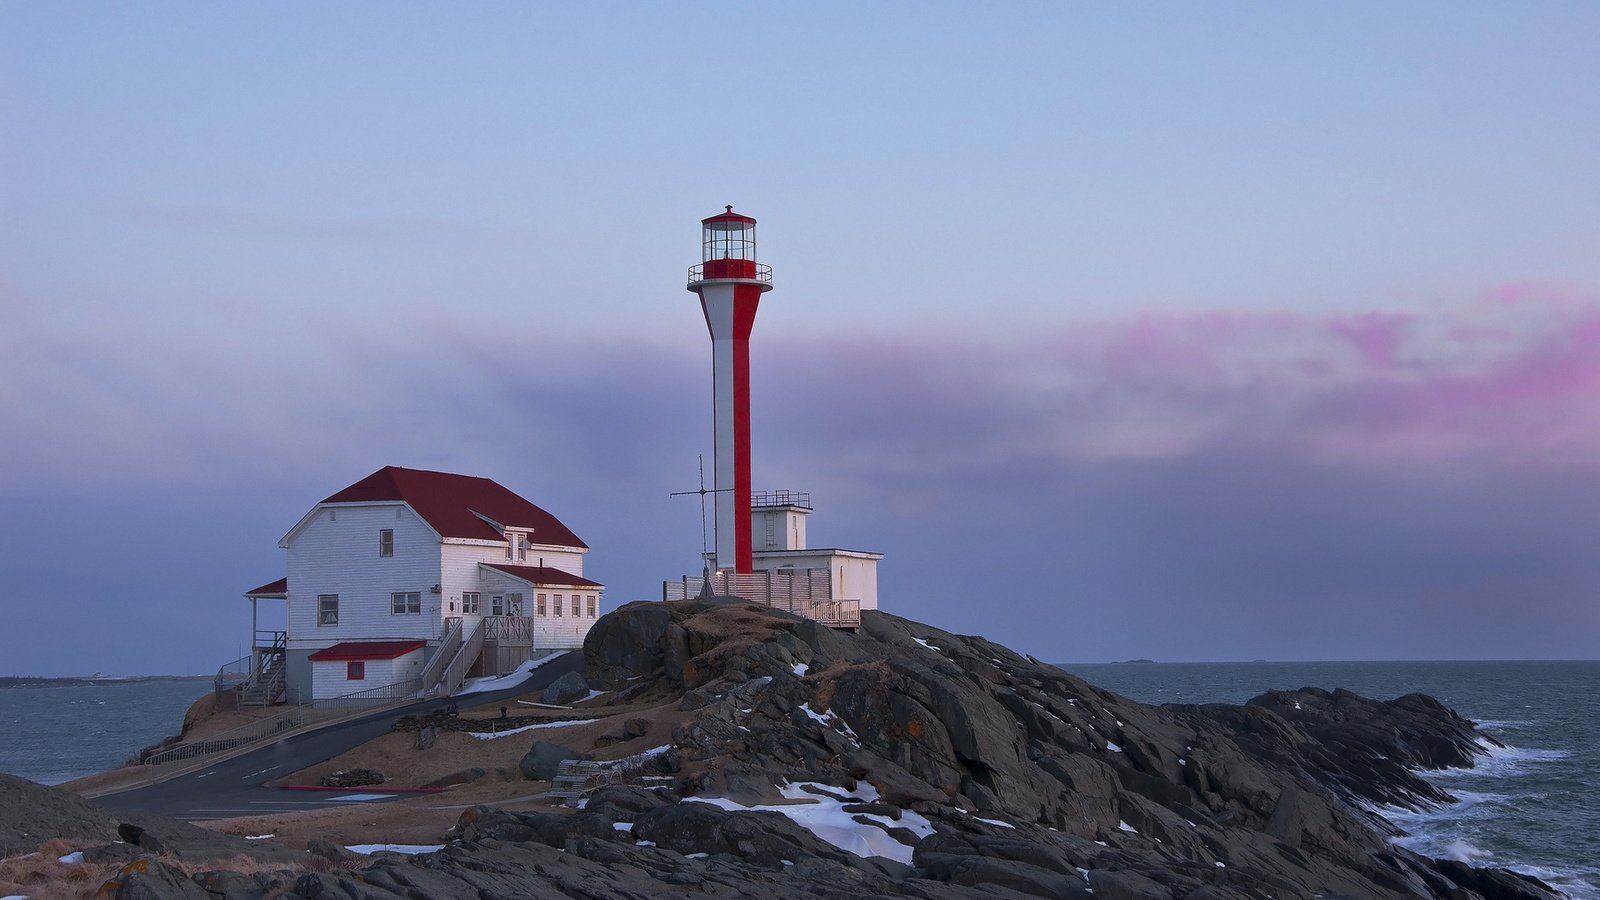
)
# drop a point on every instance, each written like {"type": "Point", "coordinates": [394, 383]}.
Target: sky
{"type": "Point", "coordinates": [1194, 332]}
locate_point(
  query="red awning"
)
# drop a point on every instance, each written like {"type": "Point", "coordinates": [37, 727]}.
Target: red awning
{"type": "Point", "coordinates": [353, 650]}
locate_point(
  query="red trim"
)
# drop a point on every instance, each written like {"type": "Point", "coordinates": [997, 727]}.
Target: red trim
{"type": "Point", "coordinates": [271, 590]}
{"type": "Point", "coordinates": [746, 298]}
{"type": "Point", "coordinates": [729, 268]}
{"type": "Point", "coordinates": [364, 650]}
{"type": "Point", "coordinates": [729, 216]}
{"type": "Point", "coordinates": [544, 575]}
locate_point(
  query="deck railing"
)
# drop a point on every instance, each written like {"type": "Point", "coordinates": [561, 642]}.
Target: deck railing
{"type": "Point", "coordinates": [808, 594]}
{"type": "Point", "coordinates": [508, 628]}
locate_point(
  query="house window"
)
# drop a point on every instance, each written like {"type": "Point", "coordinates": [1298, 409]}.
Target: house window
{"type": "Point", "coordinates": [522, 547]}
{"type": "Point", "coordinates": [557, 598]}
{"type": "Point", "coordinates": [327, 609]}
{"type": "Point", "coordinates": [539, 599]}
{"type": "Point", "coordinates": [513, 604]}
{"type": "Point", "coordinates": [497, 604]}
{"type": "Point", "coordinates": [577, 601]}
{"type": "Point", "coordinates": [355, 670]}
{"type": "Point", "coordinates": [591, 606]}
{"type": "Point", "coordinates": [385, 541]}
{"type": "Point", "coordinates": [511, 539]}
{"type": "Point", "coordinates": [405, 604]}
{"type": "Point", "coordinates": [469, 602]}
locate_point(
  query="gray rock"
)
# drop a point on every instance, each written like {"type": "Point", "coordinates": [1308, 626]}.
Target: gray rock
{"type": "Point", "coordinates": [566, 689]}
{"type": "Point", "coordinates": [543, 758]}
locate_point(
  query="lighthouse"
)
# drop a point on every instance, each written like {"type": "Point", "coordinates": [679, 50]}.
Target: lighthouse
{"type": "Point", "coordinates": [730, 283]}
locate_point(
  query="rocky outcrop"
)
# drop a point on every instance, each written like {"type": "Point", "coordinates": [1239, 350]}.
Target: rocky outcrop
{"type": "Point", "coordinates": [31, 814]}
{"type": "Point", "coordinates": [968, 770]}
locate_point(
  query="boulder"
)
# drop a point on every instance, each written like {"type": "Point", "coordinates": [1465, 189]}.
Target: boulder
{"type": "Point", "coordinates": [566, 689]}
{"type": "Point", "coordinates": [543, 758]}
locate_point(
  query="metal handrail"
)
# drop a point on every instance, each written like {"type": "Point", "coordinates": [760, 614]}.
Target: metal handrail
{"type": "Point", "coordinates": [248, 733]}
{"type": "Point", "coordinates": [233, 674]}
{"type": "Point", "coordinates": [781, 498]}
{"type": "Point", "coordinates": [763, 274]}
{"type": "Point", "coordinates": [383, 693]}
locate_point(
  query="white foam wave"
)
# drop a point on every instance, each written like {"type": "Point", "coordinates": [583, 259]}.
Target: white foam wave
{"type": "Point", "coordinates": [1503, 762]}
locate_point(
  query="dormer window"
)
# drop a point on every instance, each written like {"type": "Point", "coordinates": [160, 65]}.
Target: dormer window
{"type": "Point", "coordinates": [385, 541]}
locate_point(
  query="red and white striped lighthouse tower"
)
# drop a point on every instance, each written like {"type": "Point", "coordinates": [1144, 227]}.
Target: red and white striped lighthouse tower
{"type": "Point", "coordinates": [730, 283]}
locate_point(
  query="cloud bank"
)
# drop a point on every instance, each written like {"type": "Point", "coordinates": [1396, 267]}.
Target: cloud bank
{"type": "Point", "coordinates": [1181, 486]}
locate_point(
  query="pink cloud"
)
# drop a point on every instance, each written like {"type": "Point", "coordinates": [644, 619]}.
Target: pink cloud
{"type": "Point", "coordinates": [1511, 378]}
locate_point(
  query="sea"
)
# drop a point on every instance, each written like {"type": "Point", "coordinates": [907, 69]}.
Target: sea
{"type": "Point", "coordinates": [1533, 807]}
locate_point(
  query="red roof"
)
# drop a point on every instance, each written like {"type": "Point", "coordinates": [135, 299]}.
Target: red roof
{"type": "Point", "coordinates": [270, 589]}
{"type": "Point", "coordinates": [351, 650]}
{"type": "Point", "coordinates": [729, 216]}
{"type": "Point", "coordinates": [451, 504]}
{"type": "Point", "coordinates": [544, 575]}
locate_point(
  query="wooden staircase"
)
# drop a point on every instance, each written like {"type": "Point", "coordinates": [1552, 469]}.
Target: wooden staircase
{"type": "Point", "coordinates": [267, 686]}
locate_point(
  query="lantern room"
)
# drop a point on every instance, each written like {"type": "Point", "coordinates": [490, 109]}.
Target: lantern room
{"type": "Point", "coordinates": [728, 250]}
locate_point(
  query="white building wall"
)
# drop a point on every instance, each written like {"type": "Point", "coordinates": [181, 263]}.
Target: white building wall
{"type": "Point", "coordinates": [330, 678]}
{"type": "Point", "coordinates": [550, 631]}
{"type": "Point", "coordinates": [337, 553]}
{"type": "Point", "coordinates": [854, 575]}
{"type": "Point", "coordinates": [778, 528]}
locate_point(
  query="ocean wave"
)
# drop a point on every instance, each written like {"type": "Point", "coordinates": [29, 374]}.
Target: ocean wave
{"type": "Point", "coordinates": [1464, 832]}
{"type": "Point", "coordinates": [1504, 761]}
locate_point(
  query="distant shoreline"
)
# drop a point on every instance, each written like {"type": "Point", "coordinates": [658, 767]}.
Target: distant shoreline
{"type": "Point", "coordinates": [22, 681]}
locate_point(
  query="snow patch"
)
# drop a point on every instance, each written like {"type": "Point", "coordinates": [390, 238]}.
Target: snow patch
{"type": "Point", "coordinates": [491, 735]}
{"type": "Point", "coordinates": [830, 719]}
{"type": "Point", "coordinates": [1113, 747]}
{"type": "Point", "coordinates": [1124, 826]}
{"type": "Point", "coordinates": [800, 670]}
{"type": "Point", "coordinates": [826, 818]}
{"type": "Point", "coordinates": [928, 645]}
{"type": "Point", "coordinates": [622, 826]}
{"type": "Point", "coordinates": [508, 680]}
{"type": "Point", "coordinates": [408, 849]}
{"type": "Point", "coordinates": [995, 822]}
{"type": "Point", "coordinates": [258, 837]}
{"type": "Point", "coordinates": [72, 858]}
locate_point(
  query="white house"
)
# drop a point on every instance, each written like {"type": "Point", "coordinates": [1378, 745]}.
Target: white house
{"type": "Point", "coordinates": [409, 574]}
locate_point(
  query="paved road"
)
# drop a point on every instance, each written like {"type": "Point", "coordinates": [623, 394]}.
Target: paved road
{"type": "Point", "coordinates": [235, 787]}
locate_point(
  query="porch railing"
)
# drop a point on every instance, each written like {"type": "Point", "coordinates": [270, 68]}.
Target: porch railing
{"type": "Point", "coordinates": [515, 629]}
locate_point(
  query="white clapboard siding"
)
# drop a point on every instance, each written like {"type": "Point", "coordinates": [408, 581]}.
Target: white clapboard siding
{"type": "Point", "coordinates": [330, 678]}
{"type": "Point", "coordinates": [337, 553]}
{"type": "Point", "coordinates": [550, 631]}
